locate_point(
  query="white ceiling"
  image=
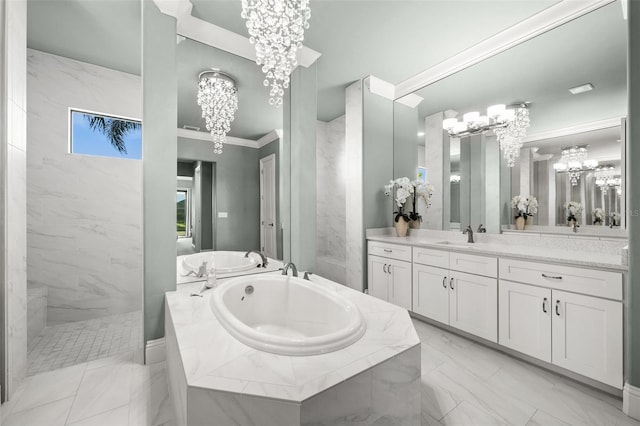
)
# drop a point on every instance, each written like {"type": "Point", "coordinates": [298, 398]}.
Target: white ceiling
{"type": "Point", "coordinates": [603, 145]}
{"type": "Point", "coordinates": [392, 40]}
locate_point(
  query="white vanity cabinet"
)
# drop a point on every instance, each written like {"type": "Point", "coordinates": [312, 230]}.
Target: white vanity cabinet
{"type": "Point", "coordinates": [580, 332]}
{"type": "Point", "coordinates": [463, 300]}
{"type": "Point", "coordinates": [389, 273]}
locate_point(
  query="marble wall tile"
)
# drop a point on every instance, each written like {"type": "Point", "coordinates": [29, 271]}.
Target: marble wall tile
{"type": "Point", "coordinates": [84, 221]}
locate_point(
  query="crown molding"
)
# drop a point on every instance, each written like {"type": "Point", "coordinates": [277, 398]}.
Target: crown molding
{"type": "Point", "coordinates": [572, 130]}
{"type": "Point", "coordinates": [545, 20]}
{"type": "Point", "coordinates": [411, 100]}
{"type": "Point", "coordinates": [273, 135]}
{"type": "Point", "coordinates": [380, 87]}
{"type": "Point", "coordinates": [203, 136]}
{"type": "Point", "coordinates": [205, 32]}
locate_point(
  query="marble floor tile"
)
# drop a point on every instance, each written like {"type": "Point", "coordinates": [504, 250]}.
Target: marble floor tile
{"type": "Point", "coordinates": [467, 413]}
{"type": "Point", "coordinates": [540, 418]}
{"type": "Point", "coordinates": [51, 414]}
{"type": "Point", "coordinates": [117, 416]}
{"type": "Point", "coordinates": [50, 386]}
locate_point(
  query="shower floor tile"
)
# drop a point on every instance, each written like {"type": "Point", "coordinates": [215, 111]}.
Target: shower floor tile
{"type": "Point", "coordinates": [77, 342]}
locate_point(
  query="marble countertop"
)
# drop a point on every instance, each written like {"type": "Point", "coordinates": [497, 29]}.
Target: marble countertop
{"type": "Point", "coordinates": [535, 253]}
{"type": "Point", "coordinates": [213, 359]}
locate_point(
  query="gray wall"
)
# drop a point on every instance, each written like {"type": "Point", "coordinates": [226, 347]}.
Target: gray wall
{"type": "Point", "coordinates": [83, 211]}
{"type": "Point", "coordinates": [13, 193]}
{"type": "Point", "coordinates": [159, 155]}
{"type": "Point", "coordinates": [274, 148]}
{"type": "Point", "coordinates": [405, 141]}
{"type": "Point", "coordinates": [237, 192]}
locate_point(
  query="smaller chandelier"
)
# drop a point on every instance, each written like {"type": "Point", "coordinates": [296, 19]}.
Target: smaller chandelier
{"type": "Point", "coordinates": [606, 178]}
{"type": "Point", "coordinates": [574, 161]}
{"type": "Point", "coordinates": [276, 28]}
{"type": "Point", "coordinates": [454, 178]}
{"type": "Point", "coordinates": [509, 125]}
{"type": "Point", "coordinates": [218, 98]}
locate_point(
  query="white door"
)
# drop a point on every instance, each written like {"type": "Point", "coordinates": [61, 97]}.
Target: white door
{"type": "Point", "coordinates": [587, 336]}
{"type": "Point", "coordinates": [473, 304]}
{"type": "Point", "coordinates": [525, 319]}
{"type": "Point", "coordinates": [400, 283]}
{"type": "Point", "coordinates": [196, 231]}
{"type": "Point", "coordinates": [378, 277]}
{"type": "Point", "coordinates": [268, 240]}
{"type": "Point", "coordinates": [431, 292]}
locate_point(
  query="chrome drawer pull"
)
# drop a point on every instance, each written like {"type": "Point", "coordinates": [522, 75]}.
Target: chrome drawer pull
{"type": "Point", "coordinates": [451, 283]}
{"type": "Point", "coordinates": [384, 268]}
{"type": "Point", "coordinates": [551, 277]}
{"type": "Point", "coordinates": [388, 251]}
{"type": "Point", "coordinates": [557, 307]}
{"type": "Point", "coordinates": [389, 269]}
{"type": "Point", "coordinates": [444, 282]}
{"type": "Point", "coordinates": [544, 305]}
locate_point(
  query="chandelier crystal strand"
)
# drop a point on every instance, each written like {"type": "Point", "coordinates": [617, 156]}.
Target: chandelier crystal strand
{"type": "Point", "coordinates": [574, 161]}
{"type": "Point", "coordinates": [218, 99]}
{"type": "Point", "coordinates": [510, 136]}
{"type": "Point", "coordinates": [276, 28]}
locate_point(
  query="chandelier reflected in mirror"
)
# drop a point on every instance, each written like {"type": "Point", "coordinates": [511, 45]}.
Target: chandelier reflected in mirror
{"type": "Point", "coordinates": [509, 124]}
{"type": "Point", "coordinates": [574, 161]}
{"type": "Point", "coordinates": [218, 99]}
{"type": "Point", "coordinates": [607, 178]}
{"type": "Point", "coordinates": [276, 28]}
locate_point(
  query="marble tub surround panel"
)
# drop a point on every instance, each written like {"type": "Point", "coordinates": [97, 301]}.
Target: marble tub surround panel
{"type": "Point", "coordinates": [331, 185]}
{"type": "Point", "coordinates": [84, 222]}
{"type": "Point", "coordinates": [273, 265]}
{"type": "Point", "coordinates": [559, 249]}
{"type": "Point", "coordinates": [36, 311]}
{"type": "Point", "coordinates": [211, 359]}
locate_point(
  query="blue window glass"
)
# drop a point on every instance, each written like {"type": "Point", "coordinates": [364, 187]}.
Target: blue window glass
{"type": "Point", "coordinates": [106, 136]}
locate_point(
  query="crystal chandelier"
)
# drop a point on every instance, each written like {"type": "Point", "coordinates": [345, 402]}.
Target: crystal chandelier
{"type": "Point", "coordinates": [218, 98]}
{"type": "Point", "coordinates": [276, 28]}
{"type": "Point", "coordinates": [509, 125]}
{"type": "Point", "coordinates": [606, 178]}
{"type": "Point", "coordinates": [574, 161]}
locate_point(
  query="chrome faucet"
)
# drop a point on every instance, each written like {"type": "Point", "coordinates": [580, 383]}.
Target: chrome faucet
{"type": "Point", "coordinates": [286, 267]}
{"type": "Point", "coordinates": [481, 229]}
{"type": "Point", "coordinates": [469, 233]}
{"type": "Point", "coordinates": [574, 226]}
{"type": "Point", "coordinates": [265, 262]}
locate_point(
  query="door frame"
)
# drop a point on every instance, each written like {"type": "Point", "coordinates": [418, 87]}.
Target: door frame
{"type": "Point", "coordinates": [270, 157]}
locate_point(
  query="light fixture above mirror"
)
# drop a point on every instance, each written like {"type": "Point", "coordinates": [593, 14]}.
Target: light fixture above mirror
{"type": "Point", "coordinates": [276, 28]}
{"type": "Point", "coordinates": [218, 99]}
{"type": "Point", "coordinates": [509, 125]}
{"type": "Point", "coordinates": [574, 161]}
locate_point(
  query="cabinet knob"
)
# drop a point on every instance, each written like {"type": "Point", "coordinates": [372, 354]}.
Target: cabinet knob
{"type": "Point", "coordinates": [557, 307]}
{"type": "Point", "coordinates": [544, 305]}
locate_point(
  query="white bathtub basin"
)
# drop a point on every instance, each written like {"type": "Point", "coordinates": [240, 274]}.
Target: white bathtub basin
{"type": "Point", "coordinates": [224, 261]}
{"type": "Point", "coordinates": [286, 315]}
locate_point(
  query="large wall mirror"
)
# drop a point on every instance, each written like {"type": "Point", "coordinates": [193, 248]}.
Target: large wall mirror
{"type": "Point", "coordinates": [229, 200]}
{"type": "Point", "coordinates": [474, 183]}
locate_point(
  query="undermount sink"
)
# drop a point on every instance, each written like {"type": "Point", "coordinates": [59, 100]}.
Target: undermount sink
{"type": "Point", "coordinates": [451, 244]}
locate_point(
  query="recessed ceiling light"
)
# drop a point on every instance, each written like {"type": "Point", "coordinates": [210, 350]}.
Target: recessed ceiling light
{"type": "Point", "coordinates": [583, 88]}
{"type": "Point", "coordinates": [420, 133]}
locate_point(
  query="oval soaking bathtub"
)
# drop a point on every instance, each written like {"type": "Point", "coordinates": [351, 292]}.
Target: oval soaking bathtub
{"type": "Point", "coordinates": [225, 261]}
{"type": "Point", "coordinates": [286, 315]}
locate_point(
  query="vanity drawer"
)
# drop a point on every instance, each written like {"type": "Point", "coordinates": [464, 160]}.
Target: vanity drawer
{"type": "Point", "coordinates": [391, 251]}
{"type": "Point", "coordinates": [569, 278]}
{"type": "Point", "coordinates": [473, 264]}
{"type": "Point", "coordinates": [430, 257]}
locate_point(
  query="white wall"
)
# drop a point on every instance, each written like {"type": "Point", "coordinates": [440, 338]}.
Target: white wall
{"type": "Point", "coordinates": [84, 224]}
{"type": "Point", "coordinates": [13, 158]}
{"type": "Point", "coordinates": [331, 188]}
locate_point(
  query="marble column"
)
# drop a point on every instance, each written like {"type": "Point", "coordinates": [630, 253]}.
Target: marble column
{"type": "Point", "coordinates": [437, 156]}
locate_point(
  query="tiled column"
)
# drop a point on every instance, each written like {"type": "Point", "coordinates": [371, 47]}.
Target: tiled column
{"type": "Point", "coordinates": [13, 189]}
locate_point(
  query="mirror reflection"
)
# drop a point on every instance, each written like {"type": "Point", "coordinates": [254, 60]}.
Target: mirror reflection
{"type": "Point", "coordinates": [567, 81]}
{"type": "Point", "coordinates": [227, 194]}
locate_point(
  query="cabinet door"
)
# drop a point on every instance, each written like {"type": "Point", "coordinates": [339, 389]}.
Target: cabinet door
{"type": "Point", "coordinates": [587, 336]}
{"type": "Point", "coordinates": [525, 319]}
{"type": "Point", "coordinates": [473, 304]}
{"type": "Point", "coordinates": [400, 283]}
{"type": "Point", "coordinates": [431, 292]}
{"type": "Point", "coordinates": [378, 277]}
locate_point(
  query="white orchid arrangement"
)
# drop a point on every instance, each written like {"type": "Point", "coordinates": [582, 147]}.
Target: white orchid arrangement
{"type": "Point", "coordinates": [403, 190]}
{"type": "Point", "coordinates": [598, 215]}
{"type": "Point", "coordinates": [573, 209]}
{"type": "Point", "coordinates": [422, 191]}
{"type": "Point", "coordinates": [525, 205]}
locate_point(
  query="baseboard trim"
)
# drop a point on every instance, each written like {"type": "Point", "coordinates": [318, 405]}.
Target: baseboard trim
{"type": "Point", "coordinates": [631, 401]}
{"type": "Point", "coordinates": [154, 351]}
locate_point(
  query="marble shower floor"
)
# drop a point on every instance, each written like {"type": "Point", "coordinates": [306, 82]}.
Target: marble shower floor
{"type": "Point", "coordinates": [463, 383]}
{"type": "Point", "coordinates": [77, 342]}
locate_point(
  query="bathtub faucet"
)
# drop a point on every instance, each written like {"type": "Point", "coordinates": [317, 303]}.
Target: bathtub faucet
{"type": "Point", "coordinates": [265, 262]}
{"type": "Point", "coordinates": [285, 270]}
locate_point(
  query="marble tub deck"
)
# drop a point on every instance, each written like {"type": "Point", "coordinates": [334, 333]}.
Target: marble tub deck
{"type": "Point", "coordinates": [378, 372]}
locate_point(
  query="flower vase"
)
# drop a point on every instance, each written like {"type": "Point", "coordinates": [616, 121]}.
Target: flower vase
{"type": "Point", "coordinates": [415, 224]}
{"type": "Point", "coordinates": [571, 223]}
{"type": "Point", "coordinates": [521, 222]}
{"type": "Point", "coordinates": [598, 223]}
{"type": "Point", "coordinates": [402, 226]}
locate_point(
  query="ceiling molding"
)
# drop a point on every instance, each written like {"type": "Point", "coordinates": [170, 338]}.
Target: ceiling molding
{"type": "Point", "coordinates": [580, 128]}
{"type": "Point", "coordinates": [380, 87]}
{"type": "Point", "coordinates": [205, 32]}
{"type": "Point", "coordinates": [273, 135]}
{"type": "Point", "coordinates": [203, 136]}
{"type": "Point", "coordinates": [411, 100]}
{"type": "Point", "coordinates": [552, 17]}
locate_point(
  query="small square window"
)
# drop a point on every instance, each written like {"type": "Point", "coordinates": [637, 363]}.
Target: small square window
{"type": "Point", "coordinates": [104, 135]}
